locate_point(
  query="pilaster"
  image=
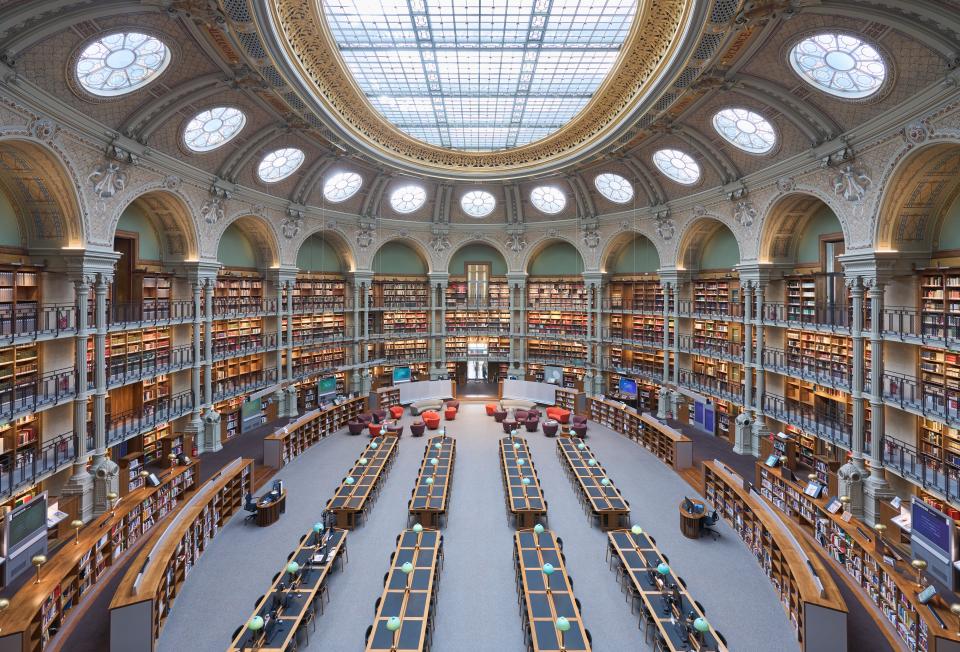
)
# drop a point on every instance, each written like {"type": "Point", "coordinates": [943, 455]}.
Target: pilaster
{"type": "Point", "coordinates": [517, 282]}
{"type": "Point", "coordinates": [202, 275]}
{"type": "Point", "coordinates": [438, 322]}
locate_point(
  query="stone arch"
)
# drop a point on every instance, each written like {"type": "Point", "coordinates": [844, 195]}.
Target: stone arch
{"type": "Point", "coordinates": [920, 186]}
{"type": "Point", "coordinates": [415, 245]}
{"type": "Point", "coordinates": [260, 232]}
{"type": "Point", "coordinates": [695, 236]}
{"type": "Point", "coordinates": [335, 238]}
{"type": "Point", "coordinates": [493, 244]}
{"type": "Point", "coordinates": [537, 247]}
{"type": "Point", "coordinates": [43, 192]}
{"type": "Point", "coordinates": [785, 220]}
{"type": "Point", "coordinates": [619, 242]}
{"type": "Point", "coordinates": [171, 215]}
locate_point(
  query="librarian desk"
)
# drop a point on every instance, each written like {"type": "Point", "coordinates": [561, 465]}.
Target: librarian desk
{"type": "Point", "coordinates": [270, 507]}
{"type": "Point", "coordinates": [691, 521]}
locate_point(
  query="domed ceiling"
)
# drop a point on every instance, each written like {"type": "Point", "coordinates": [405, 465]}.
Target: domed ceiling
{"type": "Point", "coordinates": [481, 89]}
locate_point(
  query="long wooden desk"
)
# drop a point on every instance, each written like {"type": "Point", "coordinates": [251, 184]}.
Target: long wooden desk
{"type": "Point", "coordinates": [146, 593]}
{"type": "Point", "coordinates": [428, 504]}
{"type": "Point", "coordinates": [411, 598]}
{"type": "Point", "coordinates": [639, 557]}
{"type": "Point", "coordinates": [288, 603]}
{"type": "Point", "coordinates": [605, 501]}
{"type": "Point", "coordinates": [288, 441]}
{"type": "Point", "coordinates": [806, 589]}
{"type": "Point", "coordinates": [542, 607]}
{"type": "Point", "coordinates": [524, 501]}
{"type": "Point", "coordinates": [349, 500]}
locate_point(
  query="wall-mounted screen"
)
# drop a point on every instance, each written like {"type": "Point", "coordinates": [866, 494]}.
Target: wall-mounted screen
{"type": "Point", "coordinates": [401, 375]}
{"type": "Point", "coordinates": [932, 540]}
{"type": "Point", "coordinates": [628, 387]}
{"type": "Point", "coordinates": [327, 386]}
{"type": "Point", "coordinates": [25, 521]}
{"type": "Point", "coordinates": [553, 375]}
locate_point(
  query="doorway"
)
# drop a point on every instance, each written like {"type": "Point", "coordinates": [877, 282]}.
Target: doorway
{"type": "Point", "coordinates": [479, 382]}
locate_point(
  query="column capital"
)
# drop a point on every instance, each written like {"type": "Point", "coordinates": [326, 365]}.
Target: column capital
{"type": "Point", "coordinates": [359, 277]}
{"type": "Point", "coordinates": [83, 264]}
{"type": "Point", "coordinates": [876, 267]}
{"type": "Point", "coordinates": [594, 277]}
{"type": "Point", "coordinates": [198, 271]}
{"type": "Point", "coordinates": [438, 278]}
{"type": "Point", "coordinates": [673, 276]}
{"type": "Point", "coordinates": [282, 275]}
{"type": "Point", "coordinates": [517, 279]}
{"type": "Point", "coordinates": [758, 274]}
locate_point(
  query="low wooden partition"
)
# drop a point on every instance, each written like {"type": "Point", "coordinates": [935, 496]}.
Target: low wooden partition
{"type": "Point", "coordinates": [545, 597]}
{"type": "Point", "coordinates": [293, 600]}
{"type": "Point", "coordinates": [670, 445]}
{"type": "Point", "coordinates": [806, 589]}
{"type": "Point", "coordinates": [297, 436]}
{"type": "Point", "coordinates": [411, 597]}
{"type": "Point", "coordinates": [352, 499]}
{"type": "Point", "coordinates": [524, 501]}
{"type": "Point", "coordinates": [146, 593]}
{"type": "Point", "coordinates": [605, 501]}
{"type": "Point", "coordinates": [39, 610]}
{"type": "Point", "coordinates": [854, 545]}
{"type": "Point", "coordinates": [428, 503]}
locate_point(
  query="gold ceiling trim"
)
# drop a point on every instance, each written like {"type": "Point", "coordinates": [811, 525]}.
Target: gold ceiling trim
{"type": "Point", "coordinates": [645, 54]}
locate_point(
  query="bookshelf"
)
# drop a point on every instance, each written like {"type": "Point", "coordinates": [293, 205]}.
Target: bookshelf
{"type": "Point", "coordinates": [831, 407]}
{"type": "Point", "coordinates": [235, 373]}
{"type": "Point", "coordinates": [313, 292]}
{"type": "Point", "coordinates": [886, 581]}
{"type": "Point", "coordinates": [940, 303]}
{"type": "Point", "coordinates": [156, 576]}
{"type": "Point", "coordinates": [563, 351]}
{"type": "Point", "coordinates": [404, 322]}
{"type": "Point", "coordinates": [716, 297]}
{"type": "Point", "coordinates": [459, 346]}
{"type": "Point", "coordinates": [156, 292]}
{"type": "Point", "coordinates": [673, 448]}
{"type": "Point", "coordinates": [237, 293]}
{"type": "Point", "coordinates": [39, 610]}
{"type": "Point", "coordinates": [459, 320]}
{"type": "Point", "coordinates": [235, 335]}
{"type": "Point", "coordinates": [637, 294]}
{"type": "Point", "coordinates": [567, 398]}
{"type": "Point", "coordinates": [723, 371]}
{"type": "Point", "coordinates": [557, 323]}
{"type": "Point", "coordinates": [314, 326]}
{"type": "Point", "coordinates": [314, 361]}
{"type": "Point", "coordinates": [940, 379]}
{"type": "Point", "coordinates": [401, 292]}
{"type": "Point", "coordinates": [801, 298]}
{"type": "Point", "coordinates": [572, 376]}
{"type": "Point", "coordinates": [19, 299]}
{"type": "Point", "coordinates": [824, 355]}
{"type": "Point", "coordinates": [940, 441]}
{"type": "Point", "coordinates": [457, 294]}
{"type": "Point", "coordinates": [805, 588]}
{"type": "Point", "coordinates": [19, 372]}
{"type": "Point", "coordinates": [307, 398]}
{"type": "Point", "coordinates": [296, 437]}
{"type": "Point", "coordinates": [556, 293]}
{"type": "Point", "coordinates": [178, 443]}
{"type": "Point", "coordinates": [20, 433]}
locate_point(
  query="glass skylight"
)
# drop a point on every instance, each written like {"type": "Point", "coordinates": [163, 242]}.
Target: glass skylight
{"type": "Point", "coordinates": [839, 64]}
{"type": "Point", "coordinates": [548, 199]}
{"type": "Point", "coordinates": [478, 203]}
{"type": "Point", "coordinates": [677, 165]}
{"type": "Point", "coordinates": [342, 186]}
{"type": "Point", "coordinates": [479, 75]}
{"type": "Point", "coordinates": [745, 129]}
{"type": "Point", "coordinates": [280, 164]}
{"type": "Point", "coordinates": [614, 187]}
{"type": "Point", "coordinates": [212, 128]}
{"type": "Point", "coordinates": [121, 63]}
{"type": "Point", "coordinates": [408, 199]}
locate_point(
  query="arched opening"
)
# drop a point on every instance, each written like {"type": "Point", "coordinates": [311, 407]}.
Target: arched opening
{"type": "Point", "coordinates": [478, 318]}
{"type": "Point", "coordinates": [557, 315]}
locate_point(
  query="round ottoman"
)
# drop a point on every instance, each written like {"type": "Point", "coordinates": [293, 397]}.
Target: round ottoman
{"type": "Point", "coordinates": [450, 413]}
{"type": "Point", "coordinates": [491, 408]}
{"type": "Point", "coordinates": [509, 425]}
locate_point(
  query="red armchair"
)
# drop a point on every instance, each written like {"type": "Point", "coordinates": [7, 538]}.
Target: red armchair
{"type": "Point", "coordinates": [431, 418]}
{"type": "Point", "coordinates": [558, 414]}
{"type": "Point", "coordinates": [396, 411]}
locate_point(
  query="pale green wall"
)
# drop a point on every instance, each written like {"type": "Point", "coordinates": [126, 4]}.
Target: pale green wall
{"type": "Point", "coordinates": [637, 257]}
{"type": "Point", "coordinates": [134, 220]}
{"type": "Point", "coordinates": [9, 224]}
{"type": "Point", "coordinates": [721, 251]}
{"type": "Point", "coordinates": [478, 253]}
{"type": "Point", "coordinates": [558, 259]}
{"type": "Point", "coordinates": [316, 255]}
{"type": "Point", "coordinates": [823, 222]}
{"type": "Point", "coordinates": [235, 249]}
{"type": "Point", "coordinates": [950, 228]}
{"type": "Point", "coordinates": [398, 258]}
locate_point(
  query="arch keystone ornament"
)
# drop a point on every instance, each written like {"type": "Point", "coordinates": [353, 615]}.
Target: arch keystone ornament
{"type": "Point", "coordinates": [666, 228]}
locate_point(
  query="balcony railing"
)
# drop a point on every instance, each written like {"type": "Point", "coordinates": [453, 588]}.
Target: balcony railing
{"type": "Point", "coordinates": [320, 304]}
{"type": "Point", "coordinates": [905, 323]}
{"type": "Point", "coordinates": [232, 347]}
{"type": "Point", "coordinates": [133, 422]}
{"type": "Point", "coordinates": [903, 391]}
{"type": "Point", "coordinates": [807, 418]}
{"type": "Point", "coordinates": [31, 395]}
{"type": "Point", "coordinates": [130, 368]}
{"type": "Point", "coordinates": [921, 468]}
{"type": "Point", "coordinates": [35, 320]}
{"type": "Point", "coordinates": [731, 311]}
{"type": "Point", "coordinates": [316, 368]}
{"type": "Point", "coordinates": [28, 466]}
{"type": "Point", "coordinates": [487, 329]}
{"type": "Point", "coordinates": [710, 385]}
{"type": "Point", "coordinates": [839, 375]}
{"type": "Point", "coordinates": [307, 338]}
{"type": "Point", "coordinates": [651, 338]}
{"type": "Point", "coordinates": [480, 304]}
{"type": "Point", "coordinates": [820, 315]}
{"type": "Point", "coordinates": [701, 346]}
{"type": "Point", "coordinates": [557, 305]}
{"type": "Point", "coordinates": [148, 311]}
{"type": "Point", "coordinates": [224, 389]}
{"type": "Point", "coordinates": [228, 307]}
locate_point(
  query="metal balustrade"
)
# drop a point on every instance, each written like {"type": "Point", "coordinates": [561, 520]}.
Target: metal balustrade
{"type": "Point", "coordinates": [27, 396]}
{"type": "Point", "coordinates": [228, 347]}
{"type": "Point", "coordinates": [147, 312]}
{"type": "Point", "coordinates": [697, 345]}
{"type": "Point", "coordinates": [830, 316]}
{"type": "Point", "coordinates": [120, 427]}
{"type": "Point", "coordinates": [305, 338]}
{"type": "Point", "coordinates": [499, 329]}
{"type": "Point", "coordinates": [28, 466]}
{"type": "Point", "coordinates": [492, 304]}
{"type": "Point", "coordinates": [807, 369]}
{"type": "Point", "coordinates": [231, 307]}
{"type": "Point", "coordinates": [923, 469]}
{"type": "Point", "coordinates": [134, 367]}
{"type": "Point", "coordinates": [710, 385]}
{"type": "Point", "coordinates": [302, 305]}
{"type": "Point", "coordinates": [322, 367]}
{"type": "Point", "coordinates": [224, 389]}
{"type": "Point", "coordinates": [907, 324]}
{"type": "Point", "coordinates": [733, 311]}
{"type": "Point", "coordinates": [32, 321]}
{"type": "Point", "coordinates": [807, 418]}
{"type": "Point", "coordinates": [546, 305]}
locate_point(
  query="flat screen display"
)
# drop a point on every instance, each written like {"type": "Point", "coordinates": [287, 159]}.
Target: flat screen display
{"type": "Point", "coordinates": [628, 387]}
{"type": "Point", "coordinates": [933, 525]}
{"type": "Point", "coordinates": [25, 521]}
{"type": "Point", "coordinates": [401, 375]}
{"type": "Point", "coordinates": [249, 409]}
{"type": "Point", "coordinates": [327, 386]}
{"type": "Point", "coordinates": [553, 375]}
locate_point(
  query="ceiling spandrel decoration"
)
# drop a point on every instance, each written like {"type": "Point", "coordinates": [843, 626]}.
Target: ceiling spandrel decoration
{"type": "Point", "coordinates": [479, 75]}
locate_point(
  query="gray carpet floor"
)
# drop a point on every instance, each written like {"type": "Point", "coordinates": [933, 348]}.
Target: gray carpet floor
{"type": "Point", "coordinates": [478, 602]}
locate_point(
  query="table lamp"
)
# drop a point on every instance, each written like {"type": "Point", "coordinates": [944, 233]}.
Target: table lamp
{"type": "Point", "coordinates": [562, 625]}
{"type": "Point", "coordinates": [919, 565]}
{"type": "Point", "coordinates": [537, 531]}
{"type": "Point", "coordinates": [429, 480]}
{"type": "Point", "coordinates": [318, 531]}
{"type": "Point", "coordinates": [880, 528]}
{"type": "Point", "coordinates": [373, 445]}
{"type": "Point", "coordinates": [349, 479]}
{"type": "Point", "coordinates": [954, 609]}
{"type": "Point", "coordinates": [393, 624]}
{"type": "Point", "coordinates": [76, 525]}
{"type": "Point", "coordinates": [605, 481]}
{"type": "Point", "coordinates": [255, 624]}
{"type": "Point", "coordinates": [637, 530]}
{"type": "Point", "coordinates": [173, 459]}
{"type": "Point", "coordinates": [112, 497]}
{"type": "Point", "coordinates": [417, 528]}
{"type": "Point", "coordinates": [438, 445]}
{"type": "Point", "coordinates": [525, 481]}
{"type": "Point", "coordinates": [548, 571]}
{"type": "Point", "coordinates": [38, 561]}
{"type": "Point", "coordinates": [407, 568]}
{"type": "Point", "coordinates": [581, 446]}
{"type": "Point", "coordinates": [363, 461]}
{"type": "Point", "coordinates": [4, 604]}
{"type": "Point", "coordinates": [701, 625]}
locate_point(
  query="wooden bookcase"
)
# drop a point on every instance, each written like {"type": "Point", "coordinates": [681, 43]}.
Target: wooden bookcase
{"type": "Point", "coordinates": [939, 441]}
{"type": "Point", "coordinates": [563, 351]}
{"type": "Point", "coordinates": [457, 294]}
{"type": "Point", "coordinates": [940, 303]}
{"type": "Point", "coordinates": [939, 377]}
{"type": "Point", "coordinates": [235, 372]}
{"type": "Point", "coordinates": [156, 292]}
{"type": "Point", "coordinates": [154, 580]}
{"type": "Point", "coordinates": [823, 354]}
{"type": "Point", "coordinates": [313, 292]}
{"type": "Point", "coordinates": [19, 299]}
{"type": "Point", "coordinates": [673, 448]}
{"type": "Point", "coordinates": [296, 437]}
{"type": "Point", "coordinates": [636, 294]}
{"type": "Point", "coordinates": [851, 544]}
{"type": "Point", "coordinates": [317, 360]}
{"type": "Point", "coordinates": [233, 335]}
{"type": "Point", "coordinates": [716, 297]}
{"type": "Point", "coordinates": [805, 588]}
{"type": "Point", "coordinates": [801, 295]}
{"type": "Point", "coordinates": [238, 293]}
{"type": "Point", "coordinates": [318, 326]}
{"type": "Point", "coordinates": [401, 292]}
{"type": "Point", "coordinates": [20, 433]}
{"type": "Point", "coordinates": [826, 402]}
{"type": "Point", "coordinates": [39, 610]}
{"type": "Point", "coordinates": [557, 323]}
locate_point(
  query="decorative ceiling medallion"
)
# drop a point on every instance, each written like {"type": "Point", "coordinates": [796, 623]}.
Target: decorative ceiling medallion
{"type": "Point", "coordinates": [301, 32]}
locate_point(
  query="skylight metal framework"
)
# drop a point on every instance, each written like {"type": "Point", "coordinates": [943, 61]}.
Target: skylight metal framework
{"type": "Point", "coordinates": [479, 75]}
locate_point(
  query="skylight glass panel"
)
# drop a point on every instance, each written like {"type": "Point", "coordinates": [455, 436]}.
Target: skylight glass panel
{"type": "Point", "coordinates": [280, 164]}
{"type": "Point", "coordinates": [478, 203]}
{"type": "Point", "coordinates": [342, 186]}
{"type": "Point", "coordinates": [479, 75]}
{"type": "Point", "coordinates": [839, 64]}
{"type": "Point", "coordinates": [212, 128]}
{"type": "Point", "coordinates": [745, 129]}
{"type": "Point", "coordinates": [121, 63]}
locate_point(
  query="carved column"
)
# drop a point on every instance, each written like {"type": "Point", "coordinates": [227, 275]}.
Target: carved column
{"type": "Point", "coordinates": [743, 433]}
{"type": "Point", "coordinates": [355, 300]}
{"type": "Point", "coordinates": [663, 395]}
{"type": "Point", "coordinates": [81, 482]}
{"type": "Point", "coordinates": [875, 488]}
{"type": "Point", "coordinates": [438, 322]}
{"type": "Point", "coordinates": [211, 418]}
{"type": "Point", "coordinates": [852, 473]}
{"type": "Point", "coordinates": [196, 422]}
{"type": "Point", "coordinates": [518, 323]}
{"type": "Point", "coordinates": [759, 422]}
{"type": "Point", "coordinates": [292, 410]}
{"type": "Point", "coordinates": [279, 396]}
{"type": "Point", "coordinates": [104, 470]}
